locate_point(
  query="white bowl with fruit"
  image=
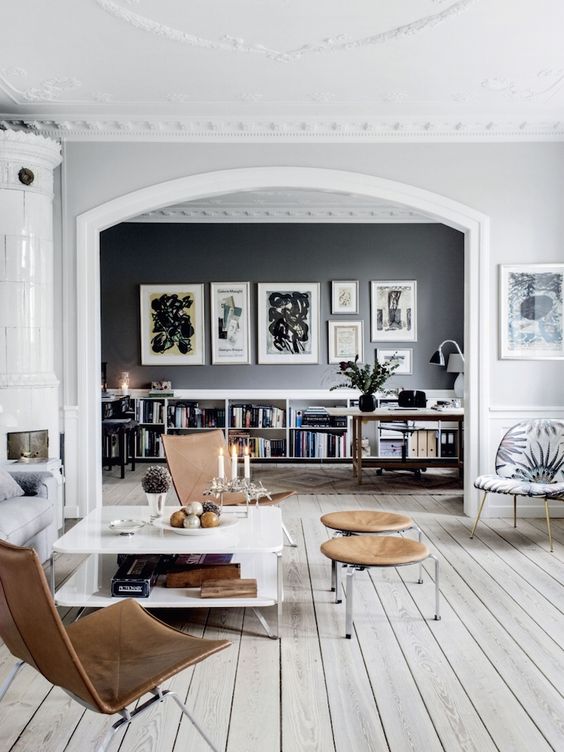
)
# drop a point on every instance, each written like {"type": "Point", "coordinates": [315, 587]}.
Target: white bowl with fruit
{"type": "Point", "coordinates": [197, 518]}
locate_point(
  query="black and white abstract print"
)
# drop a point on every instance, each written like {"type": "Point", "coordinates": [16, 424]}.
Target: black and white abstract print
{"type": "Point", "coordinates": [289, 322]}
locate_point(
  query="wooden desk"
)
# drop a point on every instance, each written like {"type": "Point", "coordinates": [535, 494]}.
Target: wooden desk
{"type": "Point", "coordinates": [417, 415]}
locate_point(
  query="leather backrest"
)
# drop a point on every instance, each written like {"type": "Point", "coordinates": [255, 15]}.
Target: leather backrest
{"type": "Point", "coordinates": [532, 451]}
{"type": "Point", "coordinates": [192, 461]}
{"type": "Point", "coordinates": [31, 627]}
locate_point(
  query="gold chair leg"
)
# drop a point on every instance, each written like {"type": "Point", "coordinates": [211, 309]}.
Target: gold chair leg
{"type": "Point", "coordinates": [548, 524]}
{"type": "Point", "coordinates": [514, 511]}
{"type": "Point", "coordinates": [485, 496]}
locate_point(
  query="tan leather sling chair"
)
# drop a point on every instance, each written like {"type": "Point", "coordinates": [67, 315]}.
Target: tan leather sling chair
{"type": "Point", "coordinates": [106, 660]}
{"type": "Point", "coordinates": [192, 462]}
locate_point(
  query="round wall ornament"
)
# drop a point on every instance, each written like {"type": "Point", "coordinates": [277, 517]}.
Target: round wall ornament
{"type": "Point", "coordinates": [26, 176]}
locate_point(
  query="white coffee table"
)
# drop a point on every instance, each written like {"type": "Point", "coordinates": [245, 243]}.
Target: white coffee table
{"type": "Point", "coordinates": [256, 542]}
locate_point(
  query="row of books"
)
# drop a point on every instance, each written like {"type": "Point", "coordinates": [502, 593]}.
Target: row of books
{"type": "Point", "coordinates": [257, 416]}
{"type": "Point", "coordinates": [148, 443]}
{"type": "Point", "coordinates": [315, 417]}
{"type": "Point", "coordinates": [149, 411]}
{"type": "Point", "coordinates": [191, 415]}
{"type": "Point", "coordinates": [258, 446]}
{"type": "Point", "coordinates": [319, 444]}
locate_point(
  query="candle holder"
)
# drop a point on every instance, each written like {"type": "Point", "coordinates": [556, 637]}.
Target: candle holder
{"type": "Point", "coordinates": [252, 491]}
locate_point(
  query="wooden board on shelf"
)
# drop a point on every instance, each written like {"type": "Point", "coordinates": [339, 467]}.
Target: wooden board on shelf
{"type": "Point", "coordinates": [229, 589]}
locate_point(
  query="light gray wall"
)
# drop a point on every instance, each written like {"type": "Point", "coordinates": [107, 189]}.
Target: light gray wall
{"type": "Point", "coordinates": [134, 254]}
{"type": "Point", "coordinates": [518, 185]}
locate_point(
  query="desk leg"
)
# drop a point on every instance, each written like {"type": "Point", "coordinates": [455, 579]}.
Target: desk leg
{"type": "Point", "coordinates": [354, 447]}
{"type": "Point", "coordinates": [359, 451]}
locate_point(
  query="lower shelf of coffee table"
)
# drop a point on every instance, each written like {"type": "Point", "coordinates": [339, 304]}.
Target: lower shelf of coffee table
{"type": "Point", "coordinates": [89, 586]}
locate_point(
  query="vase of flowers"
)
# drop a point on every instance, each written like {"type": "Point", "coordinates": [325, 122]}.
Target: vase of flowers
{"type": "Point", "coordinates": [156, 483]}
{"type": "Point", "coordinates": [368, 379]}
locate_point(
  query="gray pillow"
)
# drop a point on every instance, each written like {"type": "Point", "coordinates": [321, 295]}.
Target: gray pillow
{"type": "Point", "coordinates": [8, 486]}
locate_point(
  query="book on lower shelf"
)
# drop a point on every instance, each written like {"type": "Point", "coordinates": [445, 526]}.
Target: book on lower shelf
{"type": "Point", "coordinates": [148, 443]}
{"type": "Point", "coordinates": [256, 416]}
{"type": "Point", "coordinates": [319, 444]}
{"type": "Point", "coordinates": [187, 414]}
{"type": "Point", "coordinates": [259, 446]}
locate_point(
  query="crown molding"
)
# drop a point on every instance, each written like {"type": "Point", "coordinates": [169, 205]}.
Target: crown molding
{"type": "Point", "coordinates": [249, 214]}
{"type": "Point", "coordinates": [292, 129]}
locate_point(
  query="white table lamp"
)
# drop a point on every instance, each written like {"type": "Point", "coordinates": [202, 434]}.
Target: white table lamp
{"type": "Point", "coordinates": [456, 365]}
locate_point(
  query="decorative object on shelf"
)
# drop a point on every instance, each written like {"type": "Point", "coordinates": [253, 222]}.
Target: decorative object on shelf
{"type": "Point", "coordinates": [346, 339]}
{"type": "Point", "coordinates": [344, 296]}
{"type": "Point", "coordinates": [161, 389]}
{"type": "Point", "coordinates": [288, 322]}
{"type": "Point", "coordinates": [172, 324]}
{"type": "Point", "coordinates": [124, 383]}
{"type": "Point", "coordinates": [156, 483]}
{"type": "Point", "coordinates": [393, 305]}
{"type": "Point", "coordinates": [367, 378]}
{"type": "Point", "coordinates": [455, 364]}
{"type": "Point", "coordinates": [230, 323]}
{"type": "Point", "coordinates": [531, 309]}
{"type": "Point", "coordinates": [403, 357]}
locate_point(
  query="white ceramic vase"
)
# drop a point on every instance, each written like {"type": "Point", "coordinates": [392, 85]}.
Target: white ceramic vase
{"type": "Point", "coordinates": [156, 503]}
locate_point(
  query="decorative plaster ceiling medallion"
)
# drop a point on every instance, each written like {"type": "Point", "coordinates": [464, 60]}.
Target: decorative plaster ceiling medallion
{"type": "Point", "coordinates": [331, 44]}
{"type": "Point", "coordinates": [549, 81]}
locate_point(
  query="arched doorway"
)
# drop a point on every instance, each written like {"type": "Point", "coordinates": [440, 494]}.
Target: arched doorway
{"type": "Point", "coordinates": [473, 224]}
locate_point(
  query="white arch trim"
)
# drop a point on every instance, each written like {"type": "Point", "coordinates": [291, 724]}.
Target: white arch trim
{"type": "Point", "coordinates": [473, 224]}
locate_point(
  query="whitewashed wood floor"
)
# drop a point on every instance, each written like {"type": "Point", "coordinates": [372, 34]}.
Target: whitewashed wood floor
{"type": "Point", "coordinates": [488, 676]}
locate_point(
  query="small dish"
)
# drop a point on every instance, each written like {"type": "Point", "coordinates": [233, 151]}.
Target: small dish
{"type": "Point", "coordinates": [226, 522]}
{"type": "Point", "coordinates": [125, 527]}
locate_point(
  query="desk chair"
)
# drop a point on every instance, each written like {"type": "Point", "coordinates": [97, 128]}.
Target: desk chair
{"type": "Point", "coordinates": [106, 660]}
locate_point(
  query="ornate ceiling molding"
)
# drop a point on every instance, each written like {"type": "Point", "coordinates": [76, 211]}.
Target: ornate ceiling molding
{"type": "Point", "coordinates": [306, 129]}
{"type": "Point", "coordinates": [379, 214]}
{"type": "Point", "coordinates": [229, 43]}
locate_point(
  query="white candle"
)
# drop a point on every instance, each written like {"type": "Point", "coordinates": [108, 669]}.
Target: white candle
{"type": "Point", "coordinates": [234, 463]}
{"type": "Point", "coordinates": [247, 464]}
{"type": "Point", "coordinates": [220, 465]}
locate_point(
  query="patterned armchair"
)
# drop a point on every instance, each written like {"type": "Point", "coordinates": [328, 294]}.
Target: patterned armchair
{"type": "Point", "coordinates": [529, 462]}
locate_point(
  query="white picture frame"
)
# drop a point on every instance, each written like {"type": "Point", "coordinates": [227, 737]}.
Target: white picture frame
{"type": "Point", "coordinates": [344, 296]}
{"type": "Point", "coordinates": [401, 355]}
{"type": "Point", "coordinates": [531, 299]}
{"type": "Point", "coordinates": [393, 310]}
{"type": "Point", "coordinates": [346, 340]}
{"type": "Point", "coordinates": [172, 324]}
{"type": "Point", "coordinates": [230, 324]}
{"type": "Point", "coordinates": [288, 322]}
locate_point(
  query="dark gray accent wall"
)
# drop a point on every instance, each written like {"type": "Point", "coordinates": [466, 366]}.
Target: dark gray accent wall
{"type": "Point", "coordinates": [141, 253]}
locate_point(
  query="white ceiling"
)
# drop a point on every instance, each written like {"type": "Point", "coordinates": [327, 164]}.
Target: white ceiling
{"type": "Point", "coordinates": [319, 69]}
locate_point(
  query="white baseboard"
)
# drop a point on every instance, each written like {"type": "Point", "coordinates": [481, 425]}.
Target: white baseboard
{"type": "Point", "coordinates": [72, 513]}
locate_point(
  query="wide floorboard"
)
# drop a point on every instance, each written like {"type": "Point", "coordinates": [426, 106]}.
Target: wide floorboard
{"type": "Point", "coordinates": [488, 676]}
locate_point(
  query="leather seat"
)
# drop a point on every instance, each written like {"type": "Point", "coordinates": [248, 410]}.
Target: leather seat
{"type": "Point", "coordinates": [359, 521]}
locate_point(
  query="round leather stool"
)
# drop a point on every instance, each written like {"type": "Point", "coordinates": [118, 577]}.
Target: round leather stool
{"type": "Point", "coordinates": [363, 522]}
{"type": "Point", "coordinates": [362, 552]}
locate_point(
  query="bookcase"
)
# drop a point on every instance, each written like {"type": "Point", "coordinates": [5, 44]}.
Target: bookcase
{"type": "Point", "coordinates": [274, 425]}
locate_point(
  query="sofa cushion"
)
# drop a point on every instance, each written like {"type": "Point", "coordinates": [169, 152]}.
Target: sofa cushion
{"type": "Point", "coordinates": [24, 517]}
{"type": "Point", "coordinates": [8, 486]}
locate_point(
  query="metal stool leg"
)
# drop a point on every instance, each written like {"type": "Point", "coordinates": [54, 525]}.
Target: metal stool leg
{"type": "Point", "coordinates": [333, 574]}
{"type": "Point", "coordinates": [420, 580]}
{"type": "Point", "coordinates": [437, 590]}
{"type": "Point", "coordinates": [10, 678]}
{"type": "Point", "coordinates": [349, 609]}
{"type": "Point", "coordinates": [338, 598]}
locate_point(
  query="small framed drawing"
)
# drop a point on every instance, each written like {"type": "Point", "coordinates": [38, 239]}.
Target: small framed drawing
{"type": "Point", "coordinates": [402, 356]}
{"type": "Point", "coordinates": [230, 323]}
{"type": "Point", "coordinates": [393, 308]}
{"type": "Point", "coordinates": [531, 300]}
{"type": "Point", "coordinates": [344, 296]}
{"type": "Point", "coordinates": [172, 325]}
{"type": "Point", "coordinates": [345, 340]}
{"type": "Point", "coordinates": [288, 322]}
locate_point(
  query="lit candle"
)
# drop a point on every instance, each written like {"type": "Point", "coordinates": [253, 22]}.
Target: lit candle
{"type": "Point", "coordinates": [234, 463]}
{"type": "Point", "coordinates": [247, 464]}
{"type": "Point", "coordinates": [220, 465]}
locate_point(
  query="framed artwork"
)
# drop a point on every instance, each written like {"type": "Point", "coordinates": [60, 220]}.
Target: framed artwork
{"type": "Point", "coordinates": [402, 356]}
{"type": "Point", "coordinates": [288, 322]}
{"type": "Point", "coordinates": [344, 296]}
{"type": "Point", "coordinates": [345, 340]}
{"type": "Point", "coordinates": [230, 323]}
{"type": "Point", "coordinates": [531, 306]}
{"type": "Point", "coordinates": [172, 325]}
{"type": "Point", "coordinates": [393, 308]}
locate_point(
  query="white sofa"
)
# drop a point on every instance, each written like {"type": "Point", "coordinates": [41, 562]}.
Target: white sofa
{"type": "Point", "coordinates": [31, 520]}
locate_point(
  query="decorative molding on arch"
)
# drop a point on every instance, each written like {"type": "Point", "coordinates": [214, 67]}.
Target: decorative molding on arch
{"type": "Point", "coordinates": [474, 224]}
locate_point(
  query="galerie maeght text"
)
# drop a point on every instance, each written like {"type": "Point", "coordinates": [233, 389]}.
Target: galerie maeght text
{"type": "Point", "coordinates": [288, 317]}
{"type": "Point", "coordinates": [171, 323]}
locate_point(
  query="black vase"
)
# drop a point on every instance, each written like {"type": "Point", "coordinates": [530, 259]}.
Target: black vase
{"type": "Point", "coordinates": [367, 403]}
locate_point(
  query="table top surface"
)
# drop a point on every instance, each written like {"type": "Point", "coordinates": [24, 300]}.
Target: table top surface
{"type": "Point", "coordinates": [401, 413]}
{"type": "Point", "coordinates": [260, 532]}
